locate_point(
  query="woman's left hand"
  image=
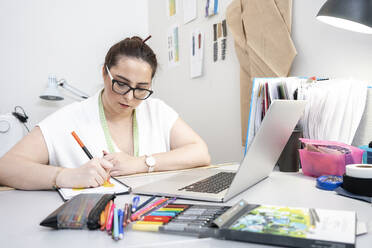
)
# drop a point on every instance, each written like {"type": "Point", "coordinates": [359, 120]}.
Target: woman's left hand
{"type": "Point", "coordinates": [125, 164]}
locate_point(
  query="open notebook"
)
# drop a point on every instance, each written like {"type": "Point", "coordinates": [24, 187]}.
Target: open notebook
{"type": "Point", "coordinates": [114, 187]}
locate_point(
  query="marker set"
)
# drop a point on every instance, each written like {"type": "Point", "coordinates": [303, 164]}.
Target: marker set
{"type": "Point", "coordinates": [92, 211]}
{"type": "Point", "coordinates": [98, 211]}
{"type": "Point", "coordinates": [183, 219]}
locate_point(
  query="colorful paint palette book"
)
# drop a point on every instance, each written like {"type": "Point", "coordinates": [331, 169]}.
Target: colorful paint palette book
{"type": "Point", "coordinates": [288, 226]}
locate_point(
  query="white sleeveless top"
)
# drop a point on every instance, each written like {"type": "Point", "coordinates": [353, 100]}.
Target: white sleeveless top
{"type": "Point", "coordinates": [155, 120]}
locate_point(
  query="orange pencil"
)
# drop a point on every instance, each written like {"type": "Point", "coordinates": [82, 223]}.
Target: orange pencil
{"type": "Point", "coordinates": [85, 149]}
{"type": "Point", "coordinates": [82, 145]}
{"type": "Point", "coordinates": [108, 214]}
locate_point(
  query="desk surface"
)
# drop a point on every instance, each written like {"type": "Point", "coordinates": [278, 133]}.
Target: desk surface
{"type": "Point", "coordinates": [22, 211]}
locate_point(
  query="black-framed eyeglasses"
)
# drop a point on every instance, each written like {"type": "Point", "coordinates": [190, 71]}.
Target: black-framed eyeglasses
{"type": "Point", "coordinates": [122, 88]}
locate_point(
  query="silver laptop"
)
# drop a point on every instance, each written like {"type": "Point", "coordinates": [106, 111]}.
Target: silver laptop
{"type": "Point", "coordinates": [220, 185]}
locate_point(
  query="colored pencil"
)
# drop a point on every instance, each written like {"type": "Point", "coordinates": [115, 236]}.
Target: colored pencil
{"type": "Point", "coordinates": [148, 208]}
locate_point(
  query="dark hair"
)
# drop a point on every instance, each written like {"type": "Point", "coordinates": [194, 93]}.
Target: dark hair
{"type": "Point", "coordinates": [131, 47]}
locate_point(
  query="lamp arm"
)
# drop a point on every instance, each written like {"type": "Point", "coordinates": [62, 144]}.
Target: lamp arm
{"type": "Point", "coordinates": [71, 89]}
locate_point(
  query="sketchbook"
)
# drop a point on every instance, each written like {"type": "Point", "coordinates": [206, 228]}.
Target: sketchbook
{"type": "Point", "coordinates": [114, 187]}
{"type": "Point", "coordinates": [288, 226]}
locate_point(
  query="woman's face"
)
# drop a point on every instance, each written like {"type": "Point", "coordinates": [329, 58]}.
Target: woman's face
{"type": "Point", "coordinates": [131, 71]}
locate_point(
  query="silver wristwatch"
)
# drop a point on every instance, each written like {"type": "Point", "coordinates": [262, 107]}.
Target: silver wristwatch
{"type": "Point", "coordinates": [150, 162]}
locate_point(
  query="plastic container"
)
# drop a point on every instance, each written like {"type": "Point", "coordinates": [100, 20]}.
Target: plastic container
{"type": "Point", "coordinates": [367, 155]}
{"type": "Point", "coordinates": [317, 164]}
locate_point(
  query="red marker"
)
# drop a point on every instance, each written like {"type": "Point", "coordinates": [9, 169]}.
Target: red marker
{"type": "Point", "coordinates": [199, 40]}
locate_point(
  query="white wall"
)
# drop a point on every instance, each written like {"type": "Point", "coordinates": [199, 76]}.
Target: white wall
{"type": "Point", "coordinates": [210, 104]}
{"type": "Point", "coordinates": [324, 50]}
{"type": "Point", "coordinates": [67, 38]}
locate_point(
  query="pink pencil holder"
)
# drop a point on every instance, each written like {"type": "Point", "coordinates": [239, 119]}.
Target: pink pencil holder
{"type": "Point", "coordinates": [316, 164]}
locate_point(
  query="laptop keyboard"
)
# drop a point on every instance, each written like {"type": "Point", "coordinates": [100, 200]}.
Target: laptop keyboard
{"type": "Point", "coordinates": [213, 184]}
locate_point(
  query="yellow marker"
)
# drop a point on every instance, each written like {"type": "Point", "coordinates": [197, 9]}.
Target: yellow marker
{"type": "Point", "coordinates": [171, 209]}
{"type": "Point", "coordinates": [102, 218]}
{"type": "Point", "coordinates": [149, 222]}
{"type": "Point", "coordinates": [147, 227]}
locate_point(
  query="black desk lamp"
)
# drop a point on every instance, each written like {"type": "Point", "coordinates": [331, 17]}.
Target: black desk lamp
{"type": "Point", "coordinates": [353, 15]}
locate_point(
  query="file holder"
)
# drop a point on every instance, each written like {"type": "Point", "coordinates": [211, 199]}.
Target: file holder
{"type": "Point", "coordinates": [289, 159]}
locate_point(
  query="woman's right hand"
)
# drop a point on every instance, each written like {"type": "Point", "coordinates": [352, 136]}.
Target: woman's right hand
{"type": "Point", "coordinates": [92, 174]}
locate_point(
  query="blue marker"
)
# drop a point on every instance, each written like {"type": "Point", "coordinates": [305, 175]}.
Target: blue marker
{"type": "Point", "coordinates": [163, 213]}
{"type": "Point", "coordinates": [121, 216]}
{"type": "Point", "coordinates": [135, 202]}
{"type": "Point", "coordinates": [116, 225]}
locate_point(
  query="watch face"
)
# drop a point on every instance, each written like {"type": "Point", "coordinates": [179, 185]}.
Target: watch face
{"type": "Point", "coordinates": [150, 161]}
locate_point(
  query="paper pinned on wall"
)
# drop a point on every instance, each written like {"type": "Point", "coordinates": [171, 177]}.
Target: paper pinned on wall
{"type": "Point", "coordinates": [211, 8]}
{"type": "Point", "coordinates": [223, 41]}
{"type": "Point", "coordinates": [215, 44]}
{"type": "Point", "coordinates": [173, 46]}
{"type": "Point", "coordinates": [219, 41]}
{"type": "Point", "coordinates": [172, 6]}
{"type": "Point", "coordinates": [197, 51]}
{"type": "Point", "coordinates": [189, 10]}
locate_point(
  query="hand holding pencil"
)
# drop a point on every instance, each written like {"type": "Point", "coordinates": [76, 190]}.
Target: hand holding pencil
{"type": "Point", "coordinates": [92, 174]}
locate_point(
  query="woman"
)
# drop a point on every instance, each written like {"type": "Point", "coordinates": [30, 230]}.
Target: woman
{"type": "Point", "coordinates": [125, 131]}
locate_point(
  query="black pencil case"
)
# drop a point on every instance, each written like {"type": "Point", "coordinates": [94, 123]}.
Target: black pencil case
{"type": "Point", "coordinates": [81, 211]}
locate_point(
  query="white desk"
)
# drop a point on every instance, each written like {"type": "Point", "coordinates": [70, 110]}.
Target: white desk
{"type": "Point", "coordinates": [22, 211]}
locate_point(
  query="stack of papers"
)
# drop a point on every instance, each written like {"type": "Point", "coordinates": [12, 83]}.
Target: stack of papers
{"type": "Point", "coordinates": [334, 107]}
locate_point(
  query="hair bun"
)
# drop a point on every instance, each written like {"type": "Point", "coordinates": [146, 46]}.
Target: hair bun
{"type": "Point", "coordinates": [136, 38]}
{"type": "Point", "coordinates": [135, 47]}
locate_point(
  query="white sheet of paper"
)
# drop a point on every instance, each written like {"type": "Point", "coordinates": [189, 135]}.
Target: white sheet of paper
{"type": "Point", "coordinates": [189, 10]}
{"type": "Point", "coordinates": [172, 7]}
{"type": "Point", "coordinates": [196, 52]}
{"type": "Point", "coordinates": [118, 188]}
{"type": "Point", "coordinates": [173, 46]}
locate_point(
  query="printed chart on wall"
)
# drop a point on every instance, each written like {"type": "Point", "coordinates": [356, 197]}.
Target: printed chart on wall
{"type": "Point", "coordinates": [172, 6]}
{"type": "Point", "coordinates": [173, 46]}
{"type": "Point", "coordinates": [211, 8]}
{"type": "Point", "coordinates": [219, 41]}
{"type": "Point", "coordinates": [196, 51]}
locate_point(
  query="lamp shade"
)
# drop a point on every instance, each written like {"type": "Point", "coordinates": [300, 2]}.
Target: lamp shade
{"type": "Point", "coordinates": [51, 92]}
{"type": "Point", "coordinates": [353, 15]}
